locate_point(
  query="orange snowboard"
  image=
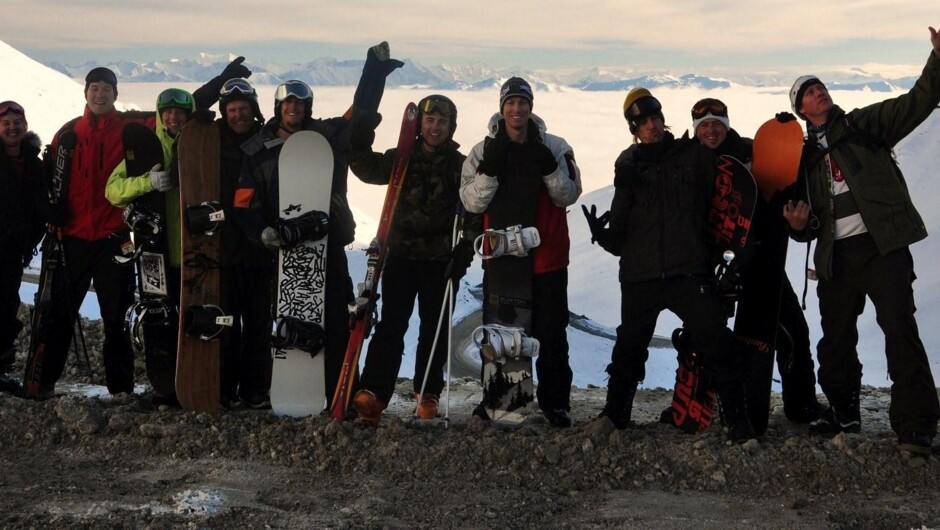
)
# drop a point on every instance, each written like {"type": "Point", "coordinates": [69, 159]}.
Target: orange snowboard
{"type": "Point", "coordinates": [777, 150]}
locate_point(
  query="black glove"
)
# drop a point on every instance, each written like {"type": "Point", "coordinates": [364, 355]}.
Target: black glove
{"type": "Point", "coordinates": [235, 69]}
{"type": "Point", "coordinates": [543, 157]}
{"type": "Point", "coordinates": [203, 116]}
{"type": "Point", "coordinates": [460, 261]}
{"type": "Point", "coordinates": [598, 225]}
{"type": "Point", "coordinates": [784, 117]}
{"type": "Point", "coordinates": [363, 128]}
{"type": "Point", "coordinates": [494, 154]}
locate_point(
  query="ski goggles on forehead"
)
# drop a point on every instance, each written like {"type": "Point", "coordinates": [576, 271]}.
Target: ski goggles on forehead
{"type": "Point", "coordinates": [709, 106]}
{"type": "Point", "coordinates": [641, 108]}
{"type": "Point", "coordinates": [293, 89]}
{"type": "Point", "coordinates": [175, 97]}
{"type": "Point", "coordinates": [237, 85]}
{"type": "Point", "coordinates": [11, 106]}
{"type": "Point", "coordinates": [440, 106]}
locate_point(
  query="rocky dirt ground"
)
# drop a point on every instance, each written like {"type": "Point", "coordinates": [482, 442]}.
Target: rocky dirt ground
{"type": "Point", "coordinates": [82, 460]}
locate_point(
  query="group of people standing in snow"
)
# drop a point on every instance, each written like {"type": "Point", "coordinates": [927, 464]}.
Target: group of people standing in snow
{"type": "Point", "coordinates": [852, 200]}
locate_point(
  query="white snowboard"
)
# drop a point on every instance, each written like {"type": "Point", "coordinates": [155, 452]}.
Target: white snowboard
{"type": "Point", "coordinates": [305, 173]}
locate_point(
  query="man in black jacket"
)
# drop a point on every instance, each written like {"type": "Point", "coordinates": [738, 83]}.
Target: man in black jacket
{"type": "Point", "coordinates": [658, 228]}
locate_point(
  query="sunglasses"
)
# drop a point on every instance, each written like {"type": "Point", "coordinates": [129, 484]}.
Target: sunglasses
{"type": "Point", "coordinates": [293, 89]}
{"type": "Point", "coordinates": [239, 85]}
{"type": "Point", "coordinates": [175, 97]}
{"type": "Point", "coordinates": [709, 106]}
{"type": "Point", "coordinates": [437, 105]}
{"type": "Point", "coordinates": [11, 106]}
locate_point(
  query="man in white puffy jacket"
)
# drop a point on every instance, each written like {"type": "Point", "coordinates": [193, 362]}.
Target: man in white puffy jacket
{"type": "Point", "coordinates": [518, 148]}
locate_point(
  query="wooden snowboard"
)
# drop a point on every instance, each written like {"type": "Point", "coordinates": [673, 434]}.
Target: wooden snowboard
{"type": "Point", "coordinates": [305, 178]}
{"type": "Point", "coordinates": [198, 373]}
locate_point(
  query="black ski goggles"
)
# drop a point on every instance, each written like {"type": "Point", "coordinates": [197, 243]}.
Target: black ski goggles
{"type": "Point", "coordinates": [709, 106]}
{"type": "Point", "coordinates": [174, 97]}
{"type": "Point", "coordinates": [238, 85]}
{"type": "Point", "coordinates": [642, 108]}
{"type": "Point", "coordinates": [293, 89]}
{"type": "Point", "coordinates": [439, 105]}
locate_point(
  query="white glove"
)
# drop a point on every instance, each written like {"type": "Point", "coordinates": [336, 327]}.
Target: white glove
{"type": "Point", "coordinates": [270, 238]}
{"type": "Point", "coordinates": [160, 180]}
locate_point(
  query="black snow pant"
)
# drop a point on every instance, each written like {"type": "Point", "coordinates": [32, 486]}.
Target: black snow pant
{"type": "Point", "coordinates": [90, 262]}
{"type": "Point", "coordinates": [339, 297]}
{"type": "Point", "coordinates": [702, 313]}
{"type": "Point", "coordinates": [11, 274]}
{"type": "Point", "coordinates": [859, 270]}
{"type": "Point", "coordinates": [796, 367]}
{"type": "Point", "coordinates": [246, 295]}
{"type": "Point", "coordinates": [403, 280]}
{"type": "Point", "coordinates": [550, 327]}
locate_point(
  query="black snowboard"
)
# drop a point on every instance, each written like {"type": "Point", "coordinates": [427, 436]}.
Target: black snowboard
{"type": "Point", "coordinates": [730, 214]}
{"type": "Point", "coordinates": [507, 291]}
{"type": "Point", "coordinates": [153, 321]}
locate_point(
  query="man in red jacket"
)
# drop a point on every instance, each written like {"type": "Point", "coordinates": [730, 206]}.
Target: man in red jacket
{"type": "Point", "coordinates": [92, 232]}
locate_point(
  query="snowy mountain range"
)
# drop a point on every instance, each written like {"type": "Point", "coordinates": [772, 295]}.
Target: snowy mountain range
{"type": "Point", "coordinates": [475, 76]}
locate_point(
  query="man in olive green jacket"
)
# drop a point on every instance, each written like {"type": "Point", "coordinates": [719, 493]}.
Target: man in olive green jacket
{"type": "Point", "coordinates": [860, 212]}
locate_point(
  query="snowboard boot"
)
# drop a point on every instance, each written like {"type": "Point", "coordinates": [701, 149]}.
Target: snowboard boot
{"type": "Point", "coordinates": [734, 411]}
{"type": "Point", "coordinates": [427, 406]}
{"type": "Point", "coordinates": [496, 342]}
{"type": "Point", "coordinates": [832, 421]}
{"type": "Point", "coordinates": [513, 241]}
{"type": "Point", "coordinates": [619, 406]}
{"type": "Point", "coordinates": [257, 401]}
{"type": "Point", "coordinates": [803, 412]}
{"type": "Point", "coordinates": [842, 415]}
{"type": "Point", "coordinates": [369, 407]}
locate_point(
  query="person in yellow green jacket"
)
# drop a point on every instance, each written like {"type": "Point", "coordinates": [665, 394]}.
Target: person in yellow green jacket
{"type": "Point", "coordinates": [174, 108]}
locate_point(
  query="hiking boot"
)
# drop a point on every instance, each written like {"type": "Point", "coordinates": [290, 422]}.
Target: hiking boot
{"type": "Point", "coordinates": [558, 418]}
{"type": "Point", "coordinates": [10, 384]}
{"type": "Point", "coordinates": [369, 407]}
{"type": "Point", "coordinates": [427, 406]}
{"type": "Point", "coordinates": [257, 401]}
{"type": "Point", "coordinates": [915, 442]}
{"type": "Point", "coordinates": [830, 423]}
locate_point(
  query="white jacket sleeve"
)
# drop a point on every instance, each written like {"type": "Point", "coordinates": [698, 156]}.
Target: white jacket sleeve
{"type": "Point", "coordinates": [476, 188]}
{"type": "Point", "coordinates": [564, 184]}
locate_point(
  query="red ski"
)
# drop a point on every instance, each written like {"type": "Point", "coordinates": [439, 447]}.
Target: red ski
{"type": "Point", "coordinates": [365, 301]}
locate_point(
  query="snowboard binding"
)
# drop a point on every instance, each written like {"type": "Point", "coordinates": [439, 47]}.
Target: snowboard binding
{"type": "Point", "coordinates": [144, 223]}
{"type": "Point", "coordinates": [513, 241]}
{"type": "Point", "coordinates": [311, 226]}
{"type": "Point", "coordinates": [206, 321]}
{"type": "Point", "coordinates": [292, 332]}
{"type": "Point", "coordinates": [498, 342]}
{"type": "Point", "coordinates": [205, 218]}
{"type": "Point", "coordinates": [151, 312]}
{"type": "Point", "coordinates": [728, 277]}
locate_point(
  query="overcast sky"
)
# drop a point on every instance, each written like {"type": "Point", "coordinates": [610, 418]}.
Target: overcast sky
{"type": "Point", "coordinates": [704, 36]}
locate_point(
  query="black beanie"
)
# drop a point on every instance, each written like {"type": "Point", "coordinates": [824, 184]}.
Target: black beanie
{"type": "Point", "coordinates": [101, 73]}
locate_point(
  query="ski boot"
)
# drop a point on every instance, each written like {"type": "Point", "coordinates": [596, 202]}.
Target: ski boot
{"type": "Point", "coordinates": [496, 342]}
{"type": "Point", "coordinates": [428, 405]}
{"type": "Point", "coordinates": [369, 407]}
{"type": "Point", "coordinates": [513, 241]}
